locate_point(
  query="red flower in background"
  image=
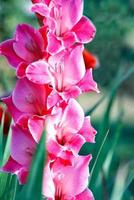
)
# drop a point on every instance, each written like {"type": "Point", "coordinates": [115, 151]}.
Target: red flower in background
{"type": "Point", "coordinates": [91, 61]}
{"type": "Point", "coordinates": [7, 120]}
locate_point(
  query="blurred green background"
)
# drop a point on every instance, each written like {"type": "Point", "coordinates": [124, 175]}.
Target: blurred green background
{"type": "Point", "coordinates": [114, 47]}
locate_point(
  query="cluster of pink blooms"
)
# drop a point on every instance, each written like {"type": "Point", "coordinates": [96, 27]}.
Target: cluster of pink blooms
{"type": "Point", "coordinates": [51, 74]}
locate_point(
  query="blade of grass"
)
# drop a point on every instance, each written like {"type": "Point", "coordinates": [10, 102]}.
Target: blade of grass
{"type": "Point", "coordinates": [112, 87]}
{"type": "Point", "coordinates": [90, 111]}
{"type": "Point", "coordinates": [99, 153]}
{"type": "Point", "coordinates": [1, 137]}
{"type": "Point", "coordinates": [104, 126]}
{"type": "Point", "coordinates": [114, 141]}
{"type": "Point", "coordinates": [123, 178]}
{"type": "Point", "coordinates": [3, 182]}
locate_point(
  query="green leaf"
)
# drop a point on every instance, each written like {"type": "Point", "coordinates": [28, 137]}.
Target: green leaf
{"type": "Point", "coordinates": [3, 182]}
{"type": "Point", "coordinates": [112, 88]}
{"type": "Point", "coordinates": [90, 111]}
{"type": "Point", "coordinates": [124, 177]}
{"type": "Point", "coordinates": [33, 188]}
{"type": "Point", "coordinates": [104, 126]}
{"type": "Point", "coordinates": [114, 141]}
{"type": "Point", "coordinates": [99, 153]}
{"type": "Point", "coordinates": [1, 137]}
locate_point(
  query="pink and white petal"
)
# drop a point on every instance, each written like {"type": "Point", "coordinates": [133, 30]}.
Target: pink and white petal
{"type": "Point", "coordinates": [73, 117]}
{"type": "Point", "coordinates": [53, 148]}
{"type": "Point", "coordinates": [51, 122]}
{"type": "Point", "coordinates": [74, 67]}
{"type": "Point", "coordinates": [72, 11]}
{"type": "Point", "coordinates": [28, 43]}
{"type": "Point", "coordinates": [22, 146]}
{"type": "Point", "coordinates": [50, 24]}
{"type": "Point", "coordinates": [54, 45]}
{"type": "Point", "coordinates": [72, 92]}
{"type": "Point", "coordinates": [25, 97]}
{"type": "Point", "coordinates": [86, 195]}
{"type": "Point", "coordinates": [84, 30]}
{"type": "Point", "coordinates": [69, 39]}
{"type": "Point", "coordinates": [20, 72]}
{"type": "Point", "coordinates": [87, 84]}
{"type": "Point", "coordinates": [79, 174]}
{"type": "Point", "coordinates": [75, 143]}
{"type": "Point", "coordinates": [37, 72]}
{"type": "Point", "coordinates": [36, 126]}
{"type": "Point", "coordinates": [41, 9]}
{"type": "Point", "coordinates": [6, 49]}
{"type": "Point", "coordinates": [15, 113]}
{"type": "Point", "coordinates": [53, 99]}
{"type": "Point", "coordinates": [87, 131]}
{"type": "Point", "coordinates": [48, 189]}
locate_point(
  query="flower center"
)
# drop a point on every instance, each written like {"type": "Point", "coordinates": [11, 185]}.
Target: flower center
{"type": "Point", "coordinates": [57, 73]}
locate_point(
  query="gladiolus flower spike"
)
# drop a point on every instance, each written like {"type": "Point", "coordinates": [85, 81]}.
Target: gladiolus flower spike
{"type": "Point", "coordinates": [50, 67]}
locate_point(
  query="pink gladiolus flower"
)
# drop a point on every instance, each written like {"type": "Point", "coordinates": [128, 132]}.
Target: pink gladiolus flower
{"type": "Point", "coordinates": [28, 98]}
{"type": "Point", "coordinates": [27, 46]}
{"type": "Point", "coordinates": [62, 126]}
{"type": "Point", "coordinates": [65, 27]}
{"type": "Point", "coordinates": [67, 130]}
{"type": "Point", "coordinates": [65, 72]}
{"type": "Point", "coordinates": [22, 145]}
{"type": "Point", "coordinates": [22, 149]}
{"type": "Point", "coordinates": [67, 181]}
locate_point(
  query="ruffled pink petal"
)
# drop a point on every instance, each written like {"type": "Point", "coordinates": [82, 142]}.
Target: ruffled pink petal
{"type": "Point", "coordinates": [29, 97]}
{"type": "Point", "coordinates": [87, 84]}
{"type": "Point", "coordinates": [72, 92]}
{"type": "Point", "coordinates": [73, 117]}
{"type": "Point", "coordinates": [20, 72]}
{"type": "Point", "coordinates": [37, 72]}
{"type": "Point", "coordinates": [71, 13]}
{"type": "Point", "coordinates": [15, 113]}
{"type": "Point", "coordinates": [56, 150]}
{"type": "Point", "coordinates": [79, 174]}
{"type": "Point", "coordinates": [36, 126]}
{"type": "Point", "coordinates": [54, 45]}
{"type": "Point", "coordinates": [75, 143]}
{"type": "Point", "coordinates": [86, 195]}
{"type": "Point", "coordinates": [53, 148]}
{"type": "Point", "coordinates": [41, 9]}
{"type": "Point", "coordinates": [28, 43]}
{"type": "Point", "coordinates": [74, 68]}
{"type": "Point", "coordinates": [84, 30]}
{"type": "Point", "coordinates": [87, 131]}
{"type": "Point", "coordinates": [69, 39]}
{"type": "Point", "coordinates": [22, 146]}
{"type": "Point", "coordinates": [53, 99]}
{"type": "Point", "coordinates": [6, 49]}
